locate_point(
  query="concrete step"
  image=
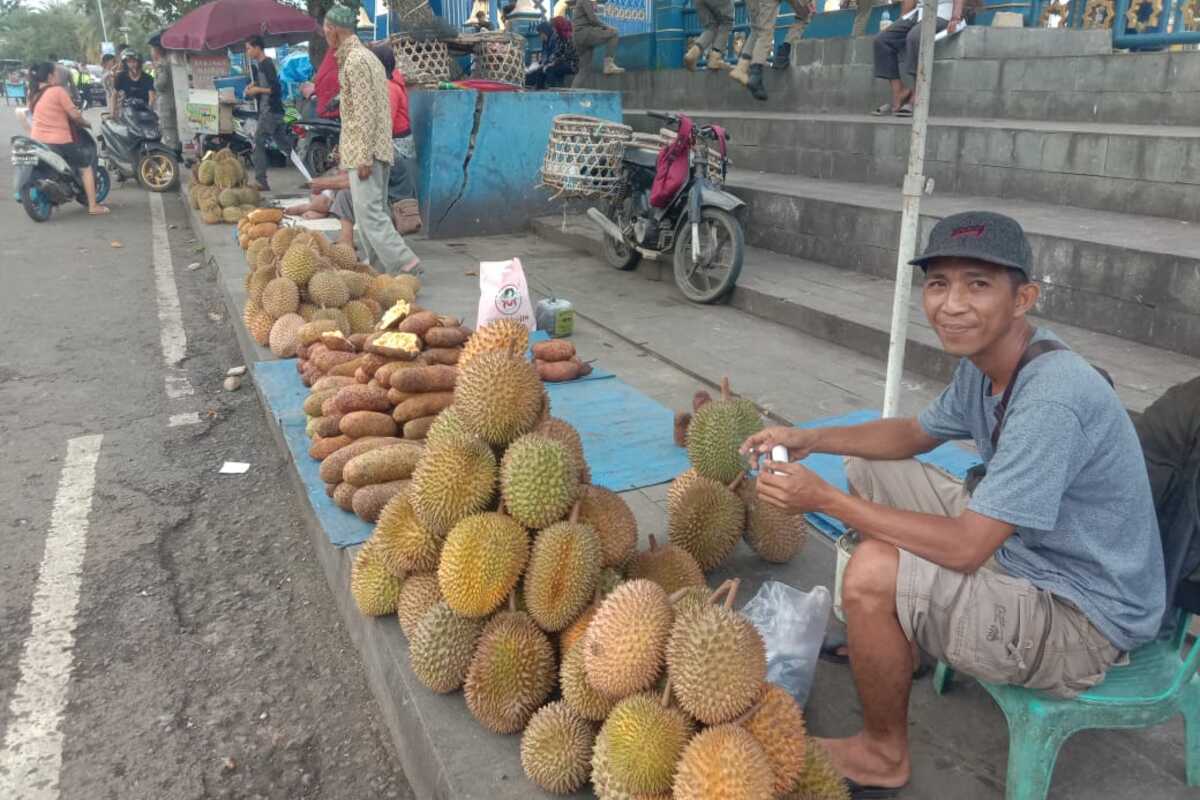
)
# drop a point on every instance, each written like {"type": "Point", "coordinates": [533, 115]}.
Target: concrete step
{"type": "Point", "coordinates": [1143, 169]}
{"type": "Point", "coordinates": [977, 41]}
{"type": "Point", "coordinates": [854, 310]}
{"type": "Point", "coordinates": [1124, 88]}
{"type": "Point", "coordinates": [1134, 277]}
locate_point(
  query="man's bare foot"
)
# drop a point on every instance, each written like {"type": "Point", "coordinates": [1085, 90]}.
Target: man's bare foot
{"type": "Point", "coordinates": [867, 763]}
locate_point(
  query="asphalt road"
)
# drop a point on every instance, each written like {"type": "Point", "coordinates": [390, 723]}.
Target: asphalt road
{"type": "Point", "coordinates": [195, 652]}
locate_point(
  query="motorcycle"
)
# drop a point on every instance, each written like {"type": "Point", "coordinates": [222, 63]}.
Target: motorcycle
{"type": "Point", "coordinates": [43, 179]}
{"type": "Point", "coordinates": [317, 143]}
{"type": "Point", "coordinates": [699, 226]}
{"type": "Point", "coordinates": [241, 141]}
{"type": "Point", "coordinates": [131, 146]}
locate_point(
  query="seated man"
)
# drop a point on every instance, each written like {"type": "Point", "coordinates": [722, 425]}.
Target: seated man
{"type": "Point", "coordinates": [898, 49]}
{"type": "Point", "coordinates": [1049, 572]}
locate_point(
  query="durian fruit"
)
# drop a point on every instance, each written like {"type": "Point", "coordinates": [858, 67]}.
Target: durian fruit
{"type": "Point", "coordinates": [777, 724]}
{"type": "Point", "coordinates": [511, 674]}
{"type": "Point", "coordinates": [538, 481]}
{"type": "Point", "coordinates": [253, 249]}
{"type": "Point", "coordinates": [481, 562]}
{"type": "Point", "coordinates": [267, 261]}
{"type": "Point", "coordinates": [258, 323]}
{"type": "Point", "coordinates": [455, 478]}
{"type": "Point", "coordinates": [645, 737]}
{"type": "Point", "coordinates": [335, 314]}
{"type": "Point", "coordinates": [307, 310]}
{"type": "Point", "coordinates": [418, 594]}
{"type": "Point", "coordinates": [706, 519]}
{"type": "Point", "coordinates": [716, 433]}
{"type": "Point", "coordinates": [498, 397]}
{"type": "Point", "coordinates": [328, 289]}
{"type": "Point", "coordinates": [280, 297]}
{"type": "Point", "coordinates": [228, 198]}
{"type": "Point", "coordinates": [556, 749]}
{"type": "Point", "coordinates": [770, 531]}
{"type": "Point", "coordinates": [404, 543]}
{"type": "Point", "coordinates": [613, 522]}
{"type": "Point", "coordinates": [256, 282]}
{"type": "Point", "coordinates": [564, 433]}
{"type": "Point", "coordinates": [607, 786]}
{"type": "Point", "coordinates": [625, 644]}
{"type": "Point", "coordinates": [360, 317]}
{"type": "Point", "coordinates": [724, 763]}
{"type": "Point", "coordinates": [249, 196]}
{"type": "Point", "coordinates": [356, 282]}
{"type": "Point", "coordinates": [610, 579]}
{"type": "Point", "coordinates": [577, 692]}
{"type": "Point", "coordinates": [374, 588]}
{"type": "Point", "coordinates": [211, 215]}
{"type": "Point", "coordinates": [441, 647]}
{"type": "Point", "coordinates": [671, 567]}
{"type": "Point", "coordinates": [561, 579]}
{"type": "Point", "coordinates": [207, 173]}
{"type": "Point", "coordinates": [231, 215]}
{"type": "Point", "coordinates": [717, 661]}
{"type": "Point", "coordinates": [385, 290]}
{"type": "Point", "coordinates": [819, 778]}
{"type": "Point", "coordinates": [689, 598]}
{"type": "Point", "coordinates": [447, 425]}
{"type": "Point", "coordinates": [408, 283]}
{"type": "Point", "coordinates": [284, 336]}
{"type": "Point", "coordinates": [298, 264]}
{"type": "Point", "coordinates": [573, 633]}
{"type": "Point", "coordinates": [282, 239]}
{"type": "Point", "coordinates": [502, 336]}
{"type": "Point", "coordinates": [344, 257]}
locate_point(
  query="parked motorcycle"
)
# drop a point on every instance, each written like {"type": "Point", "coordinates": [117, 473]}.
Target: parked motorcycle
{"type": "Point", "coordinates": [43, 179]}
{"type": "Point", "coordinates": [131, 146]}
{"type": "Point", "coordinates": [317, 143]}
{"type": "Point", "coordinates": [241, 141]}
{"type": "Point", "coordinates": [698, 226]}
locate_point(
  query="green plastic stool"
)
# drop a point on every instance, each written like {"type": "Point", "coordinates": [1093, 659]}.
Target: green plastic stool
{"type": "Point", "coordinates": [1156, 685]}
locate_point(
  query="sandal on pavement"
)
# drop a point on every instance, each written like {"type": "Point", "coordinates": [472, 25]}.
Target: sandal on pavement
{"type": "Point", "coordinates": [904, 111]}
{"type": "Point", "coordinates": [860, 792]}
{"type": "Point", "coordinates": [100, 211]}
{"type": "Point", "coordinates": [413, 268]}
{"type": "Point", "coordinates": [834, 642]}
{"type": "Point", "coordinates": [884, 110]}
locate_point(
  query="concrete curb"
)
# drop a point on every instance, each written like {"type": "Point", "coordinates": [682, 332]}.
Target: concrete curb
{"type": "Point", "coordinates": [444, 753]}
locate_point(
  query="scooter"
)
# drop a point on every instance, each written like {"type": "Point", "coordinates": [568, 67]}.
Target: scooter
{"type": "Point", "coordinates": [317, 143]}
{"type": "Point", "coordinates": [131, 147]}
{"type": "Point", "coordinates": [699, 225]}
{"type": "Point", "coordinates": [43, 179]}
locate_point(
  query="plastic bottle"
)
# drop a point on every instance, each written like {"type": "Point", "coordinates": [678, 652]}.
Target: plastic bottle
{"type": "Point", "coordinates": [887, 20]}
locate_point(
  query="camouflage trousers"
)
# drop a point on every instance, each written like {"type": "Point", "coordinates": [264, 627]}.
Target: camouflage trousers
{"type": "Point", "coordinates": [763, 14]}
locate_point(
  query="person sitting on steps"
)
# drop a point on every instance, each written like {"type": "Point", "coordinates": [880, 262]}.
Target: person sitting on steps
{"type": "Point", "coordinates": [1044, 576]}
{"type": "Point", "coordinates": [753, 56]}
{"type": "Point", "coordinates": [716, 17]}
{"type": "Point", "coordinates": [898, 49]}
{"type": "Point", "coordinates": [589, 34]}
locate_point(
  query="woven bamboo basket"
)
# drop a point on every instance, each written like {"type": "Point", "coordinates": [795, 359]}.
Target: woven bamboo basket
{"type": "Point", "coordinates": [500, 57]}
{"type": "Point", "coordinates": [705, 151]}
{"type": "Point", "coordinates": [583, 157]}
{"type": "Point", "coordinates": [423, 62]}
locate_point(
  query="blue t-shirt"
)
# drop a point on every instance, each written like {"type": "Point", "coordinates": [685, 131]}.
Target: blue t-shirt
{"type": "Point", "coordinates": [1070, 475]}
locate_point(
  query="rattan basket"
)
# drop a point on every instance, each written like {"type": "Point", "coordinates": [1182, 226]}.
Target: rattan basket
{"type": "Point", "coordinates": [583, 157]}
{"type": "Point", "coordinates": [500, 57]}
{"type": "Point", "coordinates": [423, 62]}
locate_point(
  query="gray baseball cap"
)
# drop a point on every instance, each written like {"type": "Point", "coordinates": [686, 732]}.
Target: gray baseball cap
{"type": "Point", "coordinates": [981, 235]}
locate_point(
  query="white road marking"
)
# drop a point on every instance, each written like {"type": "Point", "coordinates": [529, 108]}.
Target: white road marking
{"type": "Point", "coordinates": [170, 318]}
{"type": "Point", "coordinates": [31, 756]}
{"type": "Point", "coordinates": [190, 418]}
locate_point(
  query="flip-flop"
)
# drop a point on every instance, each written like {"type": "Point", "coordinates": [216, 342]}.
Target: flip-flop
{"type": "Point", "coordinates": [860, 792]}
{"type": "Point", "coordinates": [904, 111]}
{"type": "Point", "coordinates": [413, 268]}
{"type": "Point", "coordinates": [100, 212]}
{"type": "Point", "coordinates": [884, 110]}
{"type": "Point", "coordinates": [834, 641]}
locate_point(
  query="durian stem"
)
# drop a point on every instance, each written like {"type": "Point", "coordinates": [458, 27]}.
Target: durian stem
{"type": "Point", "coordinates": [575, 511]}
{"type": "Point", "coordinates": [653, 543]}
{"type": "Point", "coordinates": [500, 508]}
{"type": "Point", "coordinates": [666, 695]}
{"type": "Point", "coordinates": [733, 589]}
{"type": "Point", "coordinates": [737, 482]}
{"type": "Point", "coordinates": [751, 711]}
{"type": "Point", "coordinates": [512, 601]}
{"type": "Point", "coordinates": [712, 598]}
{"type": "Point", "coordinates": [674, 598]}
{"type": "Point", "coordinates": [726, 392]}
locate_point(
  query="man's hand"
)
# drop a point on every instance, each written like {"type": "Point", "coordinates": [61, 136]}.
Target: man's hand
{"type": "Point", "coordinates": [799, 442]}
{"type": "Point", "coordinates": [364, 172]}
{"type": "Point", "coordinates": [796, 489]}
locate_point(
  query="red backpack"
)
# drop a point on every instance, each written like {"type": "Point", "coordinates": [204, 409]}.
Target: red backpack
{"type": "Point", "coordinates": [672, 170]}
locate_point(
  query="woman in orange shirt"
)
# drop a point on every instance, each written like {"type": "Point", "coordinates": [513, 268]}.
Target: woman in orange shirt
{"type": "Point", "coordinates": [53, 114]}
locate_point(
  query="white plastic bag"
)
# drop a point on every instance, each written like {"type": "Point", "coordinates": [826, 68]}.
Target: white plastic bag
{"type": "Point", "coordinates": [792, 624]}
{"type": "Point", "coordinates": [503, 293]}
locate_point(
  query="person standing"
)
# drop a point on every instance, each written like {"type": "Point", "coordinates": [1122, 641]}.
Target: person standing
{"type": "Point", "coordinates": [268, 94]}
{"type": "Point", "coordinates": [716, 17]}
{"type": "Point", "coordinates": [164, 92]}
{"type": "Point", "coordinates": [898, 49]}
{"type": "Point", "coordinates": [366, 151]}
{"type": "Point", "coordinates": [108, 62]}
{"type": "Point", "coordinates": [589, 34]}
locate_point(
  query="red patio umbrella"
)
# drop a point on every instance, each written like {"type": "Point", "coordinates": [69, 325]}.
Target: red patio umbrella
{"type": "Point", "coordinates": [222, 23]}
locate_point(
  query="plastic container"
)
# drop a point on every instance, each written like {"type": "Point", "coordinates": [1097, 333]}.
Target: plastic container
{"type": "Point", "coordinates": [238, 83]}
{"type": "Point", "coordinates": [792, 624]}
{"type": "Point", "coordinates": [555, 316]}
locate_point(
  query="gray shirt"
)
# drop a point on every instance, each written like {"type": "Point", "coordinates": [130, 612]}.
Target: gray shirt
{"type": "Point", "coordinates": [1070, 476]}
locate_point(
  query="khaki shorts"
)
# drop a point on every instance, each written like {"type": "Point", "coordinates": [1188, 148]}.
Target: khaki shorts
{"type": "Point", "coordinates": [995, 626]}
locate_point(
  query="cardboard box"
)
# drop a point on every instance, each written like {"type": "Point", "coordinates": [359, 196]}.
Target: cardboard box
{"type": "Point", "coordinates": [207, 114]}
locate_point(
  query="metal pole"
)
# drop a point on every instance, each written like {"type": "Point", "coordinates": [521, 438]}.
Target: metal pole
{"type": "Point", "coordinates": [910, 213]}
{"type": "Point", "coordinates": [103, 27]}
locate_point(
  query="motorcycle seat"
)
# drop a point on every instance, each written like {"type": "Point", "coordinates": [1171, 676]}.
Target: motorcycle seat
{"type": "Point", "coordinates": [642, 156]}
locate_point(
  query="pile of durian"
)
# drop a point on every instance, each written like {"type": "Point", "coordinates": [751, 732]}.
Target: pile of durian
{"type": "Point", "coordinates": [296, 276]}
{"type": "Point", "coordinates": [219, 189]}
{"type": "Point", "coordinates": [517, 581]}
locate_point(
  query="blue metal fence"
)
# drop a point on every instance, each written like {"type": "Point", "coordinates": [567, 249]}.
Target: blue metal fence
{"type": "Point", "coordinates": [629, 17]}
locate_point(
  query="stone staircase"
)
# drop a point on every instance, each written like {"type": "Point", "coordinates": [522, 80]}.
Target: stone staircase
{"type": "Point", "coordinates": [1096, 153]}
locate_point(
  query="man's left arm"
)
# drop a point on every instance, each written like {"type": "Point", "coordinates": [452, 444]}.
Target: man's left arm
{"type": "Point", "coordinates": [963, 543]}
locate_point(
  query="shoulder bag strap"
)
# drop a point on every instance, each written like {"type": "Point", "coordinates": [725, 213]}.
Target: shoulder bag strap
{"type": "Point", "coordinates": [1032, 351]}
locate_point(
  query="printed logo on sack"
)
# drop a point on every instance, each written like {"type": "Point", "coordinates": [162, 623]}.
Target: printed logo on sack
{"type": "Point", "coordinates": [508, 300]}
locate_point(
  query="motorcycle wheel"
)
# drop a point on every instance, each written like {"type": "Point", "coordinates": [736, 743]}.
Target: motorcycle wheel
{"type": "Point", "coordinates": [36, 204]}
{"type": "Point", "coordinates": [157, 171]}
{"type": "Point", "coordinates": [619, 255]}
{"type": "Point", "coordinates": [318, 158]}
{"type": "Point", "coordinates": [103, 185]}
{"type": "Point", "coordinates": [722, 248]}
